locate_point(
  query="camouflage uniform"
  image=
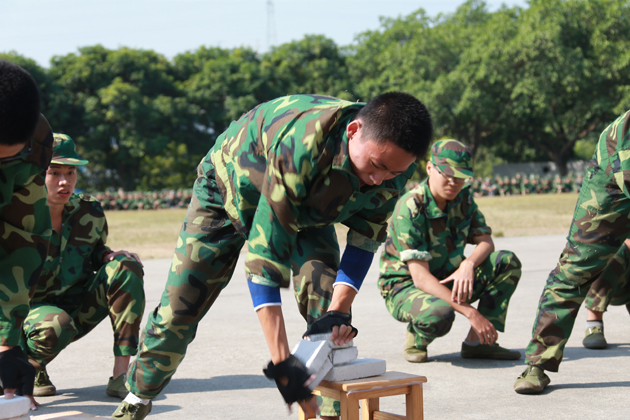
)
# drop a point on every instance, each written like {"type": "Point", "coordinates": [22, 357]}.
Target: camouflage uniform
{"type": "Point", "coordinates": [612, 287]}
{"type": "Point", "coordinates": [419, 230]}
{"type": "Point", "coordinates": [77, 290]}
{"type": "Point", "coordinates": [25, 230]}
{"type": "Point", "coordinates": [279, 177]}
{"type": "Point", "coordinates": [598, 230]}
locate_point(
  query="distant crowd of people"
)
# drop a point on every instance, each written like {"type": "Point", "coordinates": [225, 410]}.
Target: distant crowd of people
{"type": "Point", "coordinates": [481, 187]}
{"type": "Point", "coordinates": [144, 200]}
{"type": "Point", "coordinates": [522, 185]}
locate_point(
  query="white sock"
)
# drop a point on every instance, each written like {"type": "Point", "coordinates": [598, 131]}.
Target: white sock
{"type": "Point", "coordinates": [132, 399]}
{"type": "Point", "coordinates": [472, 343]}
{"type": "Point", "coordinates": [590, 324]}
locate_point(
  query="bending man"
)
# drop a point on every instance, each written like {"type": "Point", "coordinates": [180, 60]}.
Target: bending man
{"type": "Point", "coordinates": [279, 178]}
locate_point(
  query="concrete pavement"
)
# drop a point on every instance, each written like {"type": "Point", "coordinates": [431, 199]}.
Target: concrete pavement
{"type": "Point", "coordinates": [221, 377]}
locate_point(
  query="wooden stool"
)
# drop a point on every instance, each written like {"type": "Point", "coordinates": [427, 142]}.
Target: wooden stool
{"type": "Point", "coordinates": [369, 390]}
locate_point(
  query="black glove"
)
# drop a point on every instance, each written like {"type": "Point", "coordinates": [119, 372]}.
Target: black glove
{"type": "Point", "coordinates": [16, 372]}
{"type": "Point", "coordinates": [296, 373]}
{"type": "Point", "coordinates": [325, 323]}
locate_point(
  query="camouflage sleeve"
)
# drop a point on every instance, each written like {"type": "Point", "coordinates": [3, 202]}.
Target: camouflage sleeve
{"type": "Point", "coordinates": [290, 168]}
{"type": "Point", "coordinates": [25, 230]}
{"type": "Point", "coordinates": [478, 226]}
{"type": "Point", "coordinates": [100, 247]}
{"type": "Point", "coordinates": [368, 228]}
{"type": "Point", "coordinates": [409, 229]}
{"type": "Point", "coordinates": [615, 136]}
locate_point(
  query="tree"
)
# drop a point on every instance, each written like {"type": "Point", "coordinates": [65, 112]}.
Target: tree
{"type": "Point", "coordinates": [313, 64]}
{"type": "Point", "coordinates": [423, 56]}
{"type": "Point", "coordinates": [222, 85]}
{"type": "Point", "coordinates": [566, 71]}
{"type": "Point", "coordinates": [129, 108]}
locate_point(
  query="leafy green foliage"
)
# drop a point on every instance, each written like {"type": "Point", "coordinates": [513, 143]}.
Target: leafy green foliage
{"type": "Point", "coordinates": [518, 84]}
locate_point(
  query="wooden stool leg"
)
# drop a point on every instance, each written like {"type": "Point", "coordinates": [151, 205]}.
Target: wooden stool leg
{"type": "Point", "coordinates": [369, 407]}
{"type": "Point", "coordinates": [351, 411]}
{"type": "Point", "coordinates": [414, 403]}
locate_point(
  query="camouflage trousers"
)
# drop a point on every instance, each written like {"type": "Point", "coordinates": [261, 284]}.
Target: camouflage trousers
{"type": "Point", "coordinates": [430, 317]}
{"type": "Point", "coordinates": [599, 228]}
{"type": "Point", "coordinates": [116, 290]}
{"type": "Point", "coordinates": [612, 287]}
{"type": "Point", "coordinates": [205, 257]}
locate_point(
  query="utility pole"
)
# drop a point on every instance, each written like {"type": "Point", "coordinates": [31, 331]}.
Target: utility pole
{"type": "Point", "coordinates": [271, 25]}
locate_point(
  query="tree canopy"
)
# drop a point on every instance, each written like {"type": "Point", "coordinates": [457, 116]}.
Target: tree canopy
{"type": "Point", "coordinates": [517, 84]}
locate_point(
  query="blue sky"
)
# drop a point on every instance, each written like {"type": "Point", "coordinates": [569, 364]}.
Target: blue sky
{"type": "Point", "coordinates": [40, 29]}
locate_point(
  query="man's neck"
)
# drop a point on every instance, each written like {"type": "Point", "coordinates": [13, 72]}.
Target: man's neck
{"type": "Point", "coordinates": [56, 216]}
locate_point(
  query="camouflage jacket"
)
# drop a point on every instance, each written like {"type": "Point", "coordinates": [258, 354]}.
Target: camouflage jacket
{"type": "Point", "coordinates": [25, 231]}
{"type": "Point", "coordinates": [419, 230]}
{"type": "Point", "coordinates": [284, 166]}
{"type": "Point", "coordinates": [613, 153]}
{"type": "Point", "coordinates": [74, 255]}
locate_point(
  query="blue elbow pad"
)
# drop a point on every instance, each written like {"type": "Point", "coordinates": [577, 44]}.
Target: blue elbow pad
{"type": "Point", "coordinates": [264, 295]}
{"type": "Point", "coordinates": [354, 266]}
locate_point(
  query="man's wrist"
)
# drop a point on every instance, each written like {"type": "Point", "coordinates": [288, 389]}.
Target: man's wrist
{"type": "Point", "coordinates": [468, 261]}
{"type": "Point", "coordinates": [106, 255]}
{"type": "Point", "coordinates": [468, 311]}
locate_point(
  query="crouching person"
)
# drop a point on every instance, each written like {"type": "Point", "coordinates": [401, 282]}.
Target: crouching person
{"type": "Point", "coordinates": [425, 277]}
{"type": "Point", "coordinates": [83, 281]}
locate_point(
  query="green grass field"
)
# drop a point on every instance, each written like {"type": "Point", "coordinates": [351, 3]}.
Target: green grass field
{"type": "Point", "coordinates": [153, 234]}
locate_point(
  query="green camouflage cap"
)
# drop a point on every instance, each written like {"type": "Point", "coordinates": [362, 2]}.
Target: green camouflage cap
{"type": "Point", "coordinates": [452, 158]}
{"type": "Point", "coordinates": [64, 152]}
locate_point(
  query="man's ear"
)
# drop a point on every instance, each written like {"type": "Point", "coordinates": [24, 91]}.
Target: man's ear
{"type": "Point", "coordinates": [353, 128]}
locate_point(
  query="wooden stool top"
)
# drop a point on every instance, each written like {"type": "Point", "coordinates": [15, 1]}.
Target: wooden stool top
{"type": "Point", "coordinates": [389, 378]}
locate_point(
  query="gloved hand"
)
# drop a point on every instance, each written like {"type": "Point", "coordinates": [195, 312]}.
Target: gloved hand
{"type": "Point", "coordinates": [330, 319]}
{"type": "Point", "coordinates": [292, 379]}
{"type": "Point", "coordinates": [16, 372]}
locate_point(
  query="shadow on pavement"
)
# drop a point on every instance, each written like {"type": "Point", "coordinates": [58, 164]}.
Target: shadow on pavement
{"type": "Point", "coordinates": [613, 350]}
{"type": "Point", "coordinates": [456, 359]}
{"type": "Point", "coordinates": [218, 383]}
{"type": "Point", "coordinates": [593, 385]}
{"type": "Point", "coordinates": [94, 407]}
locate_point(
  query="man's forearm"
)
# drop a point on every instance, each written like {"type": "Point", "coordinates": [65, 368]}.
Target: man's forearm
{"type": "Point", "coordinates": [428, 283]}
{"type": "Point", "coordinates": [272, 323]}
{"type": "Point", "coordinates": [484, 247]}
{"type": "Point", "coordinates": [342, 298]}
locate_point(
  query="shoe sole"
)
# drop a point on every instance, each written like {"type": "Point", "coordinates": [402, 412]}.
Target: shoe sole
{"type": "Point", "coordinates": [415, 358]}
{"type": "Point", "coordinates": [530, 389]}
{"type": "Point", "coordinates": [44, 391]}
{"type": "Point", "coordinates": [598, 345]}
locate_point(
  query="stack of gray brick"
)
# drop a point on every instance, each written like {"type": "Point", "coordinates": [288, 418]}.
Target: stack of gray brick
{"type": "Point", "coordinates": [17, 408]}
{"type": "Point", "coordinates": [345, 366]}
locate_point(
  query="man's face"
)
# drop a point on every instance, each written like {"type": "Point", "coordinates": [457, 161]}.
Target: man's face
{"type": "Point", "coordinates": [60, 182]}
{"type": "Point", "coordinates": [9, 151]}
{"type": "Point", "coordinates": [374, 162]}
{"type": "Point", "coordinates": [442, 186]}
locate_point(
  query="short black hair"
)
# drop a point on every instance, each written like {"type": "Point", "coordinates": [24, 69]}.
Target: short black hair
{"type": "Point", "coordinates": [19, 104]}
{"type": "Point", "coordinates": [400, 118]}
